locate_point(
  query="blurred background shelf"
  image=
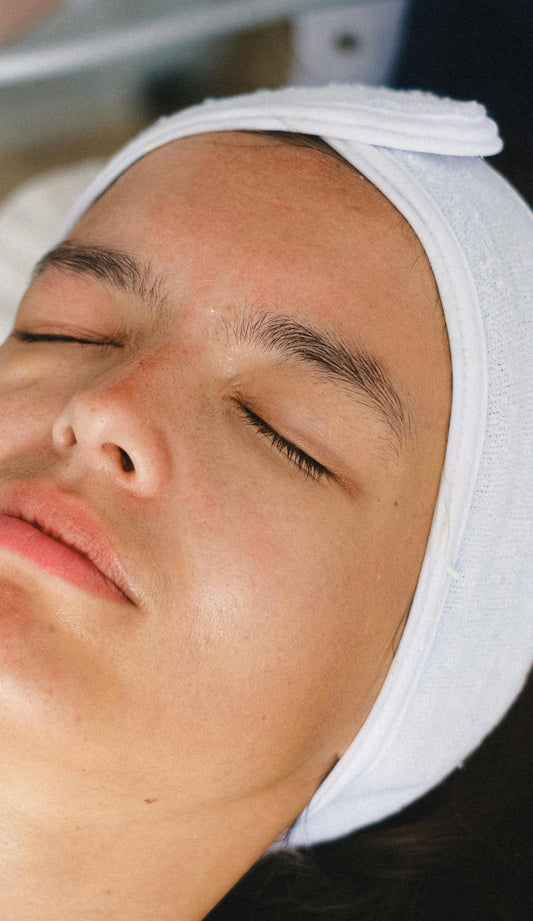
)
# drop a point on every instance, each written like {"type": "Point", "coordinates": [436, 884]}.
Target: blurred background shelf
{"type": "Point", "coordinates": [98, 70]}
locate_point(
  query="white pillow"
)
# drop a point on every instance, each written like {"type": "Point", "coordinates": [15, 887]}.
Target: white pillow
{"type": "Point", "coordinates": [31, 219]}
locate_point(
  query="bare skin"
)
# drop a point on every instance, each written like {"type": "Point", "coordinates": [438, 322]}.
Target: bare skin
{"type": "Point", "coordinates": [270, 519]}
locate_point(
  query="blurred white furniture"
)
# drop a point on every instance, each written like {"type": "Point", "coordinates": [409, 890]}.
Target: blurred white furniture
{"type": "Point", "coordinates": [86, 63]}
{"type": "Point", "coordinates": [89, 33]}
{"type": "Point", "coordinates": [31, 218]}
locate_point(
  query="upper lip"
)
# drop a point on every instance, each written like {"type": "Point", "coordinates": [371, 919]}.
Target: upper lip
{"type": "Point", "coordinates": [68, 519]}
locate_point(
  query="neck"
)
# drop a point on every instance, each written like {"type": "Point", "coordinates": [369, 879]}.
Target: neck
{"type": "Point", "coordinates": [173, 867]}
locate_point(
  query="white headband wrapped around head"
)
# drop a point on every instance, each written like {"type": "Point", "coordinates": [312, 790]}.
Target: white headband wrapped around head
{"type": "Point", "coordinates": [468, 642]}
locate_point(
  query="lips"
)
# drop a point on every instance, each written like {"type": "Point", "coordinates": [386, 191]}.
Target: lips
{"type": "Point", "coordinates": [57, 532]}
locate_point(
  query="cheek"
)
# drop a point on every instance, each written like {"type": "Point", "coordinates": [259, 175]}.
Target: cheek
{"type": "Point", "coordinates": [256, 552]}
{"type": "Point", "coordinates": [267, 637]}
{"type": "Point", "coordinates": [23, 421]}
{"type": "Point", "coordinates": [30, 402]}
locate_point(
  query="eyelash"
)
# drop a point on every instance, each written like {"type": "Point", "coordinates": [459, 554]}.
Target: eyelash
{"type": "Point", "coordinates": [306, 464]}
{"type": "Point", "coordinates": [56, 337]}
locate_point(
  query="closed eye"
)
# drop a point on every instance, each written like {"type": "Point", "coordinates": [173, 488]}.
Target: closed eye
{"type": "Point", "coordinates": [23, 336]}
{"type": "Point", "coordinates": [304, 462]}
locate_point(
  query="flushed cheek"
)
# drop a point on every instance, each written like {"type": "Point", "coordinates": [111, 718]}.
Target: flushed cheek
{"type": "Point", "coordinates": [234, 566]}
{"type": "Point", "coordinates": [265, 549]}
{"type": "Point", "coordinates": [255, 596]}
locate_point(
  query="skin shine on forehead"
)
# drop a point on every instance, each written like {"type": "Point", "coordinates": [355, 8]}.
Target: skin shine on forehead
{"type": "Point", "coordinates": [241, 367]}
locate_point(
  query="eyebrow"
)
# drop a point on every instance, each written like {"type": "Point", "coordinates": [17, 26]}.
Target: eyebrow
{"type": "Point", "coordinates": [332, 357]}
{"type": "Point", "coordinates": [109, 265]}
{"type": "Point", "coordinates": [321, 349]}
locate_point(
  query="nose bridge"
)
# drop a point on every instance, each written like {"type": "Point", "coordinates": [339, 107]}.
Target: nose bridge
{"type": "Point", "coordinates": [134, 380]}
{"type": "Point", "coordinates": [115, 423]}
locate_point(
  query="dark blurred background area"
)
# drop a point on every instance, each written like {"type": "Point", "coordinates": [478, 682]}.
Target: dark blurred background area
{"type": "Point", "coordinates": [477, 49]}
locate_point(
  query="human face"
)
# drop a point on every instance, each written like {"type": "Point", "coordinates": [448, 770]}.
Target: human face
{"type": "Point", "coordinates": [260, 518]}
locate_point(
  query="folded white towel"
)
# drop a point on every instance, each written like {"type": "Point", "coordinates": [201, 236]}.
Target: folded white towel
{"type": "Point", "coordinates": [399, 119]}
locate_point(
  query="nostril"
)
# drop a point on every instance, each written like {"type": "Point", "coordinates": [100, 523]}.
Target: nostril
{"type": "Point", "coordinates": [126, 461]}
{"type": "Point", "coordinates": [118, 457]}
{"type": "Point", "coordinates": [65, 437]}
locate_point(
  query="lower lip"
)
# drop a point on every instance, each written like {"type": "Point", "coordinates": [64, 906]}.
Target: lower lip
{"type": "Point", "coordinates": [55, 558]}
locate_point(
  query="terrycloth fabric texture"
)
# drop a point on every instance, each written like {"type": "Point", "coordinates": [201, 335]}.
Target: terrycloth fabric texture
{"type": "Point", "coordinates": [468, 642]}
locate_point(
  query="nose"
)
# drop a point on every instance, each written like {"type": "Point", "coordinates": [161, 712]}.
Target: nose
{"type": "Point", "coordinates": [112, 427]}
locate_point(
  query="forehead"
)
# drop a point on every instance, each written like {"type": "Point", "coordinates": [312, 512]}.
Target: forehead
{"type": "Point", "coordinates": [258, 189]}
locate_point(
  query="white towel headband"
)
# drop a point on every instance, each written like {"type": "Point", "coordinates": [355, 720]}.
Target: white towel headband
{"type": "Point", "coordinates": [468, 642]}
